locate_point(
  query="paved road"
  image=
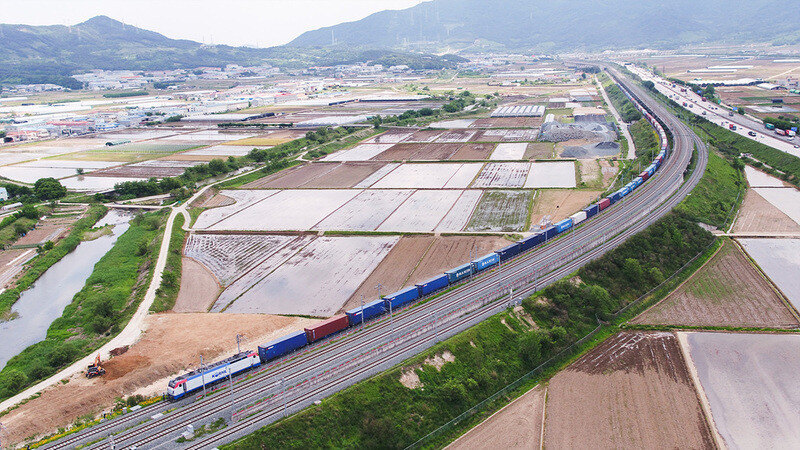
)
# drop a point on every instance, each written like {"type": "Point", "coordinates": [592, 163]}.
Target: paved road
{"type": "Point", "coordinates": [720, 115]}
{"type": "Point", "coordinates": [623, 126]}
{"type": "Point", "coordinates": [290, 384]}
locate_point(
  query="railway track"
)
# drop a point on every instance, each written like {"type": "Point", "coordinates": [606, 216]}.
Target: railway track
{"type": "Point", "coordinates": [328, 366]}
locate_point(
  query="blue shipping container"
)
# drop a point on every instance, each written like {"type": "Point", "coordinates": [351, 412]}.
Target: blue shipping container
{"type": "Point", "coordinates": [434, 284]}
{"type": "Point", "coordinates": [615, 197]}
{"type": "Point", "coordinates": [485, 262]}
{"type": "Point", "coordinates": [509, 251]}
{"type": "Point", "coordinates": [591, 210]}
{"type": "Point", "coordinates": [400, 298]}
{"type": "Point", "coordinates": [459, 273]}
{"type": "Point", "coordinates": [550, 233]}
{"type": "Point", "coordinates": [564, 225]}
{"type": "Point", "coordinates": [637, 182]}
{"type": "Point", "coordinates": [651, 169]}
{"type": "Point", "coordinates": [531, 241]}
{"type": "Point", "coordinates": [371, 309]}
{"type": "Point", "coordinates": [624, 191]}
{"type": "Point", "coordinates": [282, 346]}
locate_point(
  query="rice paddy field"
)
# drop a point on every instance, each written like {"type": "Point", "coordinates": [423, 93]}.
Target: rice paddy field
{"type": "Point", "coordinates": [750, 384]}
{"type": "Point", "coordinates": [504, 211]}
{"type": "Point", "coordinates": [318, 279]}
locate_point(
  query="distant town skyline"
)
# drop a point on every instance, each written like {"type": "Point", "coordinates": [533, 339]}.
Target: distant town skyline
{"type": "Point", "coordinates": [261, 23]}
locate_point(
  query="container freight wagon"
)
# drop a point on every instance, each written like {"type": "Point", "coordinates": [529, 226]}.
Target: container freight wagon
{"type": "Point", "coordinates": [550, 233]}
{"type": "Point", "coordinates": [591, 210]}
{"type": "Point", "coordinates": [508, 252]}
{"type": "Point", "coordinates": [282, 346]}
{"type": "Point", "coordinates": [433, 285]}
{"type": "Point", "coordinates": [192, 381]}
{"type": "Point", "coordinates": [370, 310]}
{"type": "Point", "coordinates": [604, 203]}
{"type": "Point", "coordinates": [644, 175]}
{"type": "Point", "coordinates": [578, 217]}
{"type": "Point", "coordinates": [400, 298]}
{"type": "Point", "coordinates": [327, 327]}
{"type": "Point", "coordinates": [531, 241]}
{"type": "Point", "coordinates": [615, 197]}
{"type": "Point", "coordinates": [459, 273]}
{"type": "Point", "coordinates": [563, 226]}
{"type": "Point", "coordinates": [485, 262]}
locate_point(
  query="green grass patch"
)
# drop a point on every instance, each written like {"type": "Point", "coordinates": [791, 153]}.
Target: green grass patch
{"type": "Point", "coordinates": [167, 293]}
{"type": "Point", "coordinates": [98, 312]}
{"type": "Point", "coordinates": [717, 195]}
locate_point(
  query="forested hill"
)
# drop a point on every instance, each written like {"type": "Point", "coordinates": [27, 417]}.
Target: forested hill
{"type": "Point", "coordinates": [50, 54]}
{"type": "Point", "coordinates": [568, 25]}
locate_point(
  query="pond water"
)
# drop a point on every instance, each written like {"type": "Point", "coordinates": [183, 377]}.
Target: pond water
{"type": "Point", "coordinates": [46, 299]}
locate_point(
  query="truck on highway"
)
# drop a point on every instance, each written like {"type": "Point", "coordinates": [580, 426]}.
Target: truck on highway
{"type": "Point", "coordinates": [780, 132]}
{"type": "Point", "coordinates": [684, 104]}
{"type": "Point", "coordinates": [732, 127]}
{"type": "Point", "coordinates": [791, 133]}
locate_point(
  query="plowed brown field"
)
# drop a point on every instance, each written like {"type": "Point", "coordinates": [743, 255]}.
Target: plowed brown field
{"type": "Point", "coordinates": [632, 391]}
{"type": "Point", "coordinates": [517, 426]}
{"type": "Point", "coordinates": [757, 214]}
{"type": "Point", "coordinates": [727, 291]}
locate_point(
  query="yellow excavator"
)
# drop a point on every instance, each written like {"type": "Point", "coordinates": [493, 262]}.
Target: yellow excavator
{"type": "Point", "coordinates": [95, 369]}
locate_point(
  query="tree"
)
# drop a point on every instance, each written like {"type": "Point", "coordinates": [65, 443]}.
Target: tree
{"type": "Point", "coordinates": [649, 85]}
{"type": "Point", "coordinates": [2, 133]}
{"type": "Point", "coordinates": [49, 189]}
{"type": "Point", "coordinates": [14, 381]}
{"type": "Point", "coordinates": [217, 166]}
{"type": "Point", "coordinates": [79, 170]}
{"type": "Point", "coordinates": [633, 270]}
{"type": "Point", "coordinates": [530, 347]}
{"type": "Point", "coordinates": [29, 212]}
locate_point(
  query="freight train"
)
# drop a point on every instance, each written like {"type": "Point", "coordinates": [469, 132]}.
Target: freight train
{"type": "Point", "coordinates": [278, 348]}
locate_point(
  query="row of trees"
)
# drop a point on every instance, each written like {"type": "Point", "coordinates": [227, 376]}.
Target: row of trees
{"type": "Point", "coordinates": [625, 107]}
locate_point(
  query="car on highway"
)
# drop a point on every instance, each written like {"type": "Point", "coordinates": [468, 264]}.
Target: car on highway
{"type": "Point", "coordinates": [751, 133]}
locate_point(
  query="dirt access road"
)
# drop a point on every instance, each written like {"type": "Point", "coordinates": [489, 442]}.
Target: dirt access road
{"type": "Point", "coordinates": [147, 367]}
{"type": "Point", "coordinates": [133, 330]}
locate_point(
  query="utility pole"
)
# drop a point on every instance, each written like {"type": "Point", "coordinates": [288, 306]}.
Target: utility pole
{"type": "Point", "coordinates": [202, 376]}
{"type": "Point", "coordinates": [362, 310]}
{"type": "Point", "coordinates": [239, 343]}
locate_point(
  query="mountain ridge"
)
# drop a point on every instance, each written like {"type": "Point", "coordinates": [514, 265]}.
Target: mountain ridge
{"type": "Point", "coordinates": [566, 25]}
{"type": "Point", "coordinates": [51, 53]}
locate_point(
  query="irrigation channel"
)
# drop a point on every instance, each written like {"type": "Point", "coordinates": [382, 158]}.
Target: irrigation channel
{"type": "Point", "coordinates": [292, 383]}
{"type": "Point", "coordinates": [46, 299]}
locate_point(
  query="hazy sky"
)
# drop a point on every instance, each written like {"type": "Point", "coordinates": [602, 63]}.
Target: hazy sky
{"type": "Point", "coordinates": [261, 23]}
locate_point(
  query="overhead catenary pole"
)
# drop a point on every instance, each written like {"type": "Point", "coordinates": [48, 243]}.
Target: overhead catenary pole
{"type": "Point", "coordinates": [202, 376]}
{"type": "Point", "coordinates": [230, 379]}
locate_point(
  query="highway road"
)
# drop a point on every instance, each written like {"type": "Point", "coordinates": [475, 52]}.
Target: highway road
{"type": "Point", "coordinates": [293, 383]}
{"type": "Point", "coordinates": [720, 115]}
